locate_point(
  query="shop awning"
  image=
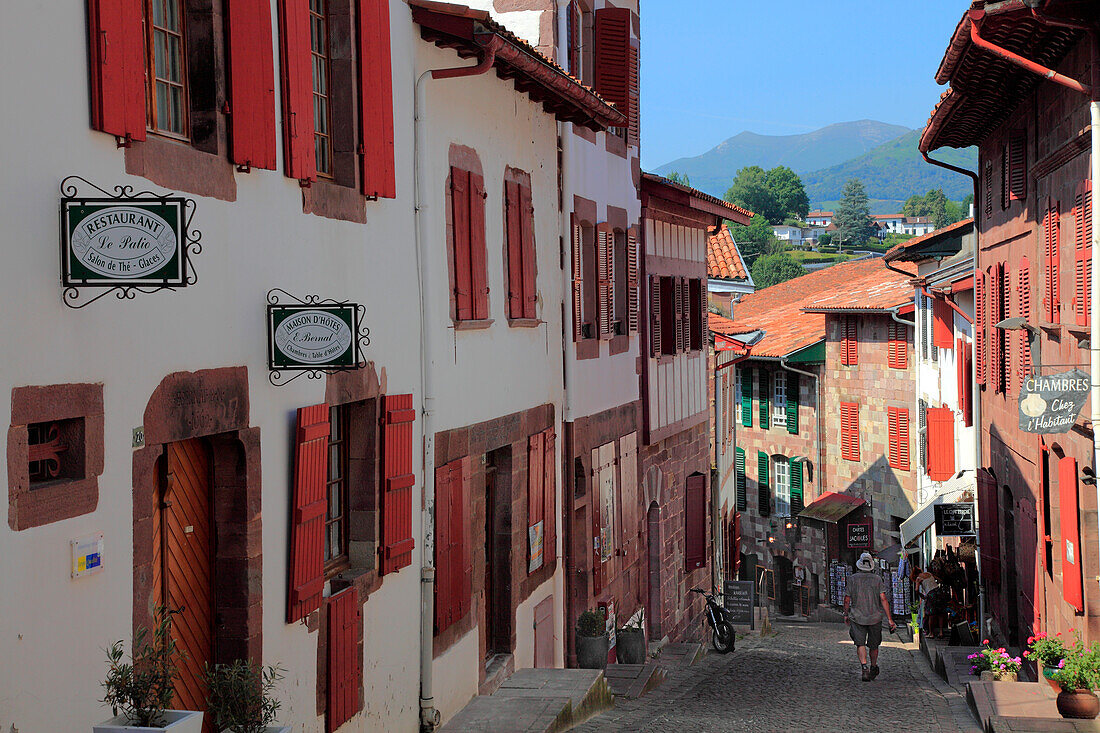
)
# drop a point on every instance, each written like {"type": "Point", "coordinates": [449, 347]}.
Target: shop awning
{"type": "Point", "coordinates": [831, 507]}
{"type": "Point", "coordinates": [925, 515]}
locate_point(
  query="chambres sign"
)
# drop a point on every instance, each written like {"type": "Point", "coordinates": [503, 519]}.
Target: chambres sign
{"type": "Point", "coordinates": [1051, 403]}
{"type": "Point", "coordinates": [123, 242]}
{"type": "Point", "coordinates": [313, 337]}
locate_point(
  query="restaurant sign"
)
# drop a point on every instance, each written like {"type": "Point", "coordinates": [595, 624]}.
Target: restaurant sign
{"type": "Point", "coordinates": [313, 337]}
{"type": "Point", "coordinates": [1051, 403]}
{"type": "Point", "coordinates": [123, 242]}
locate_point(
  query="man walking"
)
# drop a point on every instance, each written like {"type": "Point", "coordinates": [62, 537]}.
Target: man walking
{"type": "Point", "coordinates": [864, 607]}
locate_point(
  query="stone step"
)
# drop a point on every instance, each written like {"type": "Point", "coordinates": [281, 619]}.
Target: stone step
{"type": "Point", "coordinates": [680, 654]}
{"type": "Point", "coordinates": [631, 681]}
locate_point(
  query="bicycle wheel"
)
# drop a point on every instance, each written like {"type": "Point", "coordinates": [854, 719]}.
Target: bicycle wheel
{"type": "Point", "coordinates": [723, 639]}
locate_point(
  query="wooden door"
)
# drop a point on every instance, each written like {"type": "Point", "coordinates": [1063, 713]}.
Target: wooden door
{"type": "Point", "coordinates": [184, 548]}
{"type": "Point", "coordinates": [544, 633]}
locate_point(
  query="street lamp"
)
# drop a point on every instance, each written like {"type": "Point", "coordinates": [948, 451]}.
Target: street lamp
{"type": "Point", "coordinates": [1019, 323]}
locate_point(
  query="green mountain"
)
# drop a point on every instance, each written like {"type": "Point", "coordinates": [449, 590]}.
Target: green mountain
{"type": "Point", "coordinates": [714, 170]}
{"type": "Point", "coordinates": [894, 170]}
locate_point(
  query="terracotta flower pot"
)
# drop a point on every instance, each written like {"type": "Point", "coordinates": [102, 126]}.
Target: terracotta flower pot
{"type": "Point", "coordinates": [1082, 704]}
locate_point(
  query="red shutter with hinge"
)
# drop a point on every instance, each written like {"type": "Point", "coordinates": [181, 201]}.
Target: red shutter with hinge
{"type": "Point", "coordinates": [605, 245]}
{"type": "Point", "coordinates": [345, 658]}
{"type": "Point", "coordinates": [460, 237]}
{"type": "Point", "coordinates": [574, 33]}
{"type": "Point", "coordinates": [898, 437]}
{"type": "Point", "coordinates": [527, 242]}
{"type": "Point", "coordinates": [1006, 312]}
{"type": "Point", "coordinates": [1082, 252]}
{"type": "Point", "coordinates": [536, 503]}
{"type": "Point", "coordinates": [578, 278]}
{"type": "Point", "coordinates": [1051, 236]}
{"type": "Point", "coordinates": [941, 443]}
{"type": "Point", "coordinates": [849, 431]}
{"type": "Point", "coordinates": [376, 100]}
{"type": "Point", "coordinates": [397, 482]}
{"type": "Point", "coordinates": [296, 65]}
{"type": "Point", "coordinates": [1017, 155]}
{"type": "Point", "coordinates": [307, 524]}
{"type": "Point", "coordinates": [514, 240]}
{"type": "Point", "coordinates": [549, 491]}
{"type": "Point", "coordinates": [654, 315]}
{"type": "Point", "coordinates": [695, 522]}
{"type": "Point", "coordinates": [634, 122]}
{"type": "Point", "coordinates": [1023, 300]}
{"type": "Point", "coordinates": [461, 569]}
{"type": "Point", "coordinates": [849, 344]}
{"type": "Point", "coordinates": [632, 282]}
{"type": "Point", "coordinates": [966, 383]}
{"type": "Point", "coordinates": [612, 57]}
{"type": "Point", "coordinates": [117, 63]}
{"type": "Point", "coordinates": [1072, 552]}
{"type": "Point", "coordinates": [678, 303]}
{"type": "Point", "coordinates": [943, 325]}
{"type": "Point", "coordinates": [251, 84]}
{"type": "Point", "coordinates": [898, 349]}
{"type": "Point", "coordinates": [980, 326]}
{"type": "Point", "coordinates": [996, 303]}
{"type": "Point", "coordinates": [478, 265]}
{"type": "Point", "coordinates": [446, 478]}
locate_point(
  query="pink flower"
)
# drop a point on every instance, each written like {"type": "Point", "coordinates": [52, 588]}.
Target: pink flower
{"type": "Point", "coordinates": [1025, 654]}
{"type": "Point", "coordinates": [985, 641]}
{"type": "Point", "coordinates": [1058, 634]}
{"type": "Point", "coordinates": [1031, 640]}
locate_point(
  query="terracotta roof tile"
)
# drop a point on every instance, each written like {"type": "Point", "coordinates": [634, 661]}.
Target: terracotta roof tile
{"type": "Point", "coordinates": [780, 310]}
{"type": "Point", "coordinates": [898, 250]}
{"type": "Point", "coordinates": [724, 259]}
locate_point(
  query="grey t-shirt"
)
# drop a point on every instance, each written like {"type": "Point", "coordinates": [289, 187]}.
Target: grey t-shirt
{"type": "Point", "coordinates": [865, 590]}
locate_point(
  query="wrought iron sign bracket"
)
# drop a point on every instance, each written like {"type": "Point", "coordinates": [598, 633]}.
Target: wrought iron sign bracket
{"type": "Point", "coordinates": [302, 331]}
{"type": "Point", "coordinates": [78, 194]}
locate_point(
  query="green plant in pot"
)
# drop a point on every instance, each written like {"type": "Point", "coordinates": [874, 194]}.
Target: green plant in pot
{"type": "Point", "coordinates": [591, 640]}
{"type": "Point", "coordinates": [630, 644]}
{"type": "Point", "coordinates": [239, 697]}
{"type": "Point", "coordinates": [1079, 674]}
{"type": "Point", "coordinates": [140, 692]}
{"type": "Point", "coordinates": [1047, 652]}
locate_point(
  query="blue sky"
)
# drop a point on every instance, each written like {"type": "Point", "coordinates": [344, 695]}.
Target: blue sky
{"type": "Point", "coordinates": [714, 68]}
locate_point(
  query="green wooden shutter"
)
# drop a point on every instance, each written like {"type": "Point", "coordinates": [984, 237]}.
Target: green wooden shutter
{"type": "Point", "coordinates": [739, 468]}
{"type": "Point", "coordinates": [765, 493]}
{"type": "Point", "coordinates": [765, 403]}
{"type": "Point", "coordinates": [746, 397]}
{"type": "Point", "coordinates": [796, 488]}
{"type": "Point", "coordinates": [792, 403]}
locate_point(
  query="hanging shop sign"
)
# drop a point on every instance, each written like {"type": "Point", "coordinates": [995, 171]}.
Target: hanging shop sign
{"type": "Point", "coordinates": [859, 535]}
{"type": "Point", "coordinates": [1051, 403]}
{"type": "Point", "coordinates": [125, 242]}
{"type": "Point", "coordinates": [313, 336]}
{"type": "Point", "coordinates": [955, 520]}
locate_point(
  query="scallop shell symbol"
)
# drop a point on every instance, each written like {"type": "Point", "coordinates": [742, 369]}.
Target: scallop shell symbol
{"type": "Point", "coordinates": [1033, 405]}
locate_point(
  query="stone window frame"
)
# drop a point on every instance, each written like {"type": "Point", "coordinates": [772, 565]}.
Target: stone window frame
{"type": "Point", "coordinates": [53, 501]}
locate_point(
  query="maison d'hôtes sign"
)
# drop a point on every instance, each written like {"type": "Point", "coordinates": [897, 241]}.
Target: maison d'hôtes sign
{"type": "Point", "coordinates": [313, 337]}
{"type": "Point", "coordinates": [1051, 403]}
{"type": "Point", "coordinates": [123, 242]}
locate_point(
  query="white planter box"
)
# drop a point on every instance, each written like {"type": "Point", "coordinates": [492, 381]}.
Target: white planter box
{"type": "Point", "coordinates": [177, 721]}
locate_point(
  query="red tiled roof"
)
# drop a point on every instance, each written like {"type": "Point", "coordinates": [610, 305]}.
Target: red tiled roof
{"type": "Point", "coordinates": [724, 260]}
{"type": "Point", "coordinates": [702, 201]}
{"type": "Point", "coordinates": [721, 324]}
{"type": "Point", "coordinates": [779, 310]}
{"type": "Point", "coordinates": [898, 250]}
{"type": "Point", "coordinates": [818, 214]}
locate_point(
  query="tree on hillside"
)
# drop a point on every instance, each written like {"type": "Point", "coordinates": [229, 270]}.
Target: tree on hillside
{"type": "Point", "coordinates": [933, 204]}
{"type": "Point", "coordinates": [852, 218]}
{"type": "Point", "coordinates": [775, 194]}
{"type": "Point", "coordinates": [790, 195]}
{"type": "Point", "coordinates": [774, 269]}
{"type": "Point", "coordinates": [681, 178]}
{"type": "Point", "coordinates": [754, 240]}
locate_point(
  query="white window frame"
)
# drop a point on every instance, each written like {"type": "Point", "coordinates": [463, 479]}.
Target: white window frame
{"type": "Point", "coordinates": [781, 481]}
{"type": "Point", "coordinates": [779, 399]}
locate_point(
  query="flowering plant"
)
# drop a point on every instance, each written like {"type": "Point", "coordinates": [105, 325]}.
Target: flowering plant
{"type": "Point", "coordinates": [997, 661]}
{"type": "Point", "coordinates": [1046, 650]}
{"type": "Point", "coordinates": [1080, 668]}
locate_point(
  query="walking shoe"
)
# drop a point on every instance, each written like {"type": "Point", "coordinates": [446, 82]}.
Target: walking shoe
{"type": "Point", "coordinates": [867, 677]}
{"type": "Point", "coordinates": [874, 671]}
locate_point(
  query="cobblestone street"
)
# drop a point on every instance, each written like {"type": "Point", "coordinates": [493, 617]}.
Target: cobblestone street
{"type": "Point", "coordinates": [805, 678]}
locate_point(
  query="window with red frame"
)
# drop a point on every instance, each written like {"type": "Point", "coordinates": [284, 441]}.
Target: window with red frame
{"type": "Point", "coordinates": [468, 274]}
{"type": "Point", "coordinates": [849, 340]}
{"type": "Point", "coordinates": [898, 430]}
{"type": "Point", "coordinates": [849, 431]}
{"type": "Point", "coordinates": [898, 346]}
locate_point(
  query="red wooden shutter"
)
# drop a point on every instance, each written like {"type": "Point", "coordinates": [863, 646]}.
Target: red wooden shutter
{"type": "Point", "coordinates": [1051, 237]}
{"type": "Point", "coordinates": [989, 530]}
{"type": "Point", "coordinates": [680, 318]}
{"type": "Point", "coordinates": [398, 480]}
{"type": "Point", "coordinates": [612, 57]}
{"type": "Point", "coordinates": [1071, 541]}
{"type": "Point", "coordinates": [634, 122]}
{"type": "Point", "coordinates": [478, 273]}
{"type": "Point", "coordinates": [942, 324]}
{"type": "Point", "coordinates": [605, 241]}
{"type": "Point", "coordinates": [849, 342]}
{"type": "Point", "coordinates": [574, 32]}
{"type": "Point", "coordinates": [460, 227]}
{"type": "Point", "coordinates": [345, 658]}
{"type": "Point", "coordinates": [527, 240]}
{"type": "Point", "coordinates": [376, 100]}
{"type": "Point", "coordinates": [117, 61]}
{"type": "Point", "coordinates": [654, 315]}
{"type": "Point", "coordinates": [307, 525]}
{"type": "Point", "coordinates": [296, 65]}
{"type": "Point", "coordinates": [1005, 280]}
{"type": "Point", "coordinates": [536, 501]}
{"type": "Point", "coordinates": [1082, 252]}
{"type": "Point", "coordinates": [898, 427]}
{"type": "Point", "coordinates": [966, 382]}
{"type": "Point", "coordinates": [1017, 155]}
{"type": "Point", "coordinates": [849, 431]}
{"type": "Point", "coordinates": [941, 443]}
{"type": "Point", "coordinates": [695, 522]}
{"type": "Point", "coordinates": [980, 335]}
{"type": "Point", "coordinates": [632, 280]}
{"type": "Point", "coordinates": [898, 349]}
{"type": "Point", "coordinates": [996, 303]}
{"type": "Point", "coordinates": [578, 279]}
{"type": "Point", "coordinates": [446, 478]}
{"type": "Point", "coordinates": [251, 84]}
{"type": "Point", "coordinates": [514, 238]}
{"type": "Point", "coordinates": [1023, 299]}
{"type": "Point", "coordinates": [549, 492]}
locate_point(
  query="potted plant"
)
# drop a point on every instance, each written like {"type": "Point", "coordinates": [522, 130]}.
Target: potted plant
{"type": "Point", "coordinates": [1078, 674]}
{"type": "Point", "coordinates": [239, 698]}
{"type": "Point", "coordinates": [139, 692]}
{"type": "Point", "coordinates": [591, 641]}
{"type": "Point", "coordinates": [630, 645]}
{"type": "Point", "coordinates": [1046, 651]}
{"type": "Point", "coordinates": [994, 664]}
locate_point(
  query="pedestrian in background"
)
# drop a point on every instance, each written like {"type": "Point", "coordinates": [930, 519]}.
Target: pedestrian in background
{"type": "Point", "coordinates": [865, 606]}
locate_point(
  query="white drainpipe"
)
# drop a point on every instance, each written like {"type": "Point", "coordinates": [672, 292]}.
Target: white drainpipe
{"type": "Point", "coordinates": [565, 135]}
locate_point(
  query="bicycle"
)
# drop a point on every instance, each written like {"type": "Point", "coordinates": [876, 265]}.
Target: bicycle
{"type": "Point", "coordinates": [722, 638]}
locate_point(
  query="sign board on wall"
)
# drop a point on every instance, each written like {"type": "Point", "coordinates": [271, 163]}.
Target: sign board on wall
{"type": "Point", "coordinates": [1051, 403]}
{"type": "Point", "coordinates": [955, 520]}
{"type": "Point", "coordinates": [313, 337]}
{"type": "Point", "coordinates": [534, 547]}
{"type": "Point", "coordinates": [859, 535]}
{"type": "Point", "coordinates": [87, 555]}
{"type": "Point", "coordinates": [739, 600]}
{"type": "Point", "coordinates": [123, 242]}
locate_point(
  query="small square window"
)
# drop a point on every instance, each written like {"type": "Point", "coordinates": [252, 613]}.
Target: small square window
{"type": "Point", "coordinates": [55, 451]}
